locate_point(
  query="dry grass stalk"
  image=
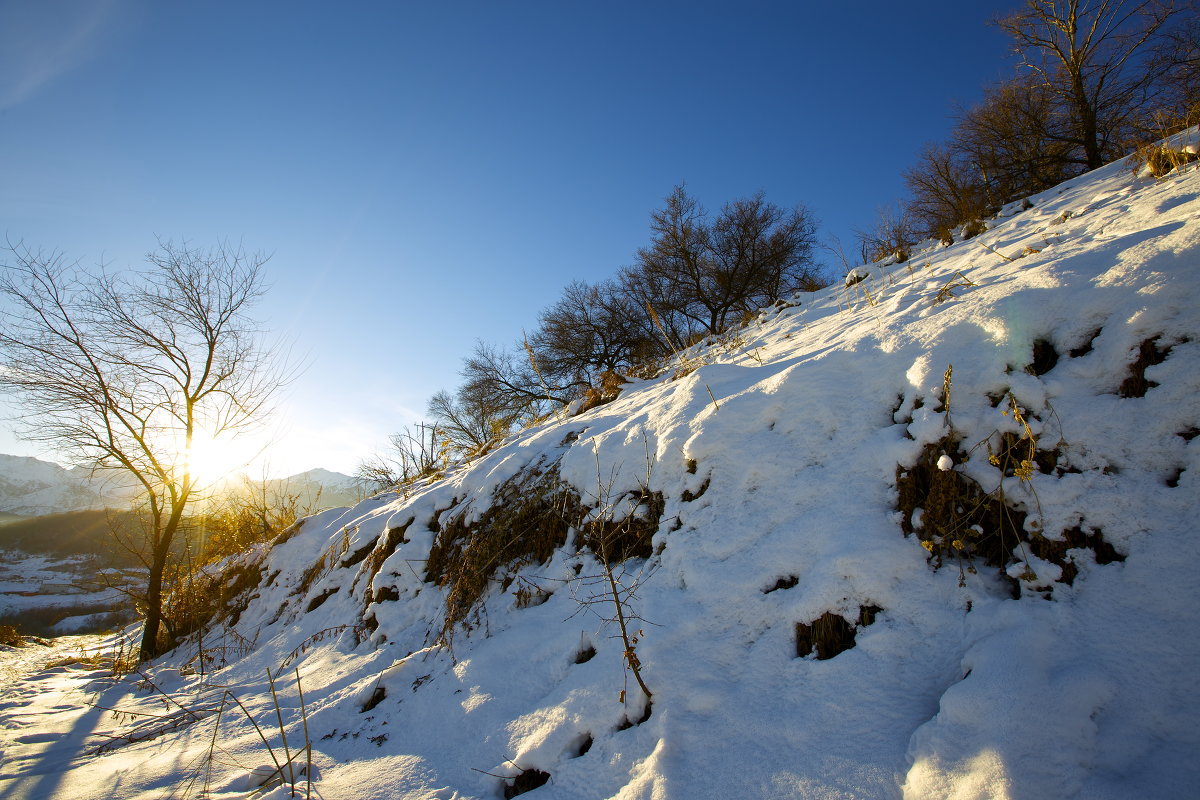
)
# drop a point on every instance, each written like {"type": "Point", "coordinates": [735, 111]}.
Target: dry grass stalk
{"type": "Point", "coordinates": [947, 291]}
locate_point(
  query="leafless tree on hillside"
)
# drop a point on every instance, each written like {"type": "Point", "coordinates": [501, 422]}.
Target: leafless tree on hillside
{"type": "Point", "coordinates": [1176, 64]}
{"type": "Point", "coordinates": [416, 452]}
{"type": "Point", "coordinates": [711, 272]}
{"type": "Point", "coordinates": [891, 235]}
{"type": "Point", "coordinates": [590, 330]}
{"type": "Point", "coordinates": [468, 425]}
{"type": "Point", "coordinates": [1088, 54]}
{"type": "Point", "coordinates": [512, 385]}
{"type": "Point", "coordinates": [124, 371]}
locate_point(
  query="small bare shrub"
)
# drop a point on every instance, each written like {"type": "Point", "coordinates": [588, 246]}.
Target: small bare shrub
{"type": "Point", "coordinates": [605, 392]}
{"type": "Point", "coordinates": [620, 526]}
{"type": "Point", "coordinates": [958, 281]}
{"type": "Point", "coordinates": [1160, 156]}
{"type": "Point", "coordinates": [418, 452]}
{"type": "Point", "coordinates": [10, 637]}
{"type": "Point", "coordinates": [973, 228]}
{"type": "Point", "coordinates": [955, 517]}
{"type": "Point", "coordinates": [1161, 160]}
{"type": "Point", "coordinates": [891, 236]}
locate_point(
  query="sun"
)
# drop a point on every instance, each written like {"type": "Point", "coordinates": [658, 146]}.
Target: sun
{"type": "Point", "coordinates": [212, 460]}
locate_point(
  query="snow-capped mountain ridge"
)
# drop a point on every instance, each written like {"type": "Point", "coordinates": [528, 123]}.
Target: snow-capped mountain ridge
{"type": "Point", "coordinates": [30, 487]}
{"type": "Point", "coordinates": [890, 460]}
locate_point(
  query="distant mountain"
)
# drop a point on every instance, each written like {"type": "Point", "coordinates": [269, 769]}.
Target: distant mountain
{"type": "Point", "coordinates": [318, 489]}
{"type": "Point", "coordinates": [30, 487]}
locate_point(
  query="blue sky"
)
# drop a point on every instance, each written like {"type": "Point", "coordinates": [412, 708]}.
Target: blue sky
{"type": "Point", "coordinates": [426, 174]}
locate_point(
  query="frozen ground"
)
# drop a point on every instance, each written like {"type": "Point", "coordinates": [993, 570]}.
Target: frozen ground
{"type": "Point", "coordinates": [1008, 548]}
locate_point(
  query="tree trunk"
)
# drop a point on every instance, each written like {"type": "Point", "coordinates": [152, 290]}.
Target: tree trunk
{"type": "Point", "coordinates": [1088, 127]}
{"type": "Point", "coordinates": [149, 648]}
{"type": "Point", "coordinates": [154, 585]}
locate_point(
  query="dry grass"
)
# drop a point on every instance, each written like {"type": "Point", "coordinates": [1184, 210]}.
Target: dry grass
{"type": "Point", "coordinates": [957, 281]}
{"type": "Point", "coordinates": [10, 636]}
{"type": "Point", "coordinates": [957, 518]}
{"type": "Point", "coordinates": [606, 392]}
{"type": "Point", "coordinates": [830, 634]}
{"type": "Point", "coordinates": [529, 517]}
{"type": "Point", "coordinates": [1161, 159]}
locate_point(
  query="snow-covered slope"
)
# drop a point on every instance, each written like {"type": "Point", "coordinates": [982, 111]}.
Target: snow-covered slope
{"type": "Point", "coordinates": [1019, 626]}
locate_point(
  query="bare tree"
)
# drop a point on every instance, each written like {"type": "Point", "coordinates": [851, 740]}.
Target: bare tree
{"type": "Point", "coordinates": [945, 190]}
{"type": "Point", "coordinates": [1016, 140]}
{"type": "Point", "coordinates": [467, 423]}
{"type": "Point", "coordinates": [892, 235]}
{"type": "Point", "coordinates": [1011, 145]}
{"type": "Point", "coordinates": [511, 384]}
{"type": "Point", "coordinates": [125, 371]}
{"type": "Point", "coordinates": [763, 252]}
{"type": "Point", "coordinates": [1088, 55]}
{"type": "Point", "coordinates": [416, 452]}
{"type": "Point", "coordinates": [592, 329]}
{"type": "Point", "coordinates": [655, 297]}
{"type": "Point", "coordinates": [1176, 66]}
{"type": "Point", "coordinates": [751, 255]}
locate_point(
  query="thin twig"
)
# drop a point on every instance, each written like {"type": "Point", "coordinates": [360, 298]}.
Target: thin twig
{"type": "Point", "coordinates": [287, 753]}
{"type": "Point", "coordinates": [307, 741]}
{"type": "Point", "coordinates": [997, 252]}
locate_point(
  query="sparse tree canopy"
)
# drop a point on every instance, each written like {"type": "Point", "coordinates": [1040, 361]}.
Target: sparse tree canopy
{"type": "Point", "coordinates": [416, 452]}
{"type": "Point", "coordinates": [125, 371]}
{"type": "Point", "coordinates": [511, 384]}
{"type": "Point", "coordinates": [710, 272]}
{"type": "Point", "coordinates": [1017, 140]}
{"type": "Point", "coordinates": [468, 424]}
{"type": "Point", "coordinates": [1011, 145]}
{"type": "Point", "coordinates": [945, 190]}
{"type": "Point", "coordinates": [1088, 55]}
{"type": "Point", "coordinates": [1095, 75]}
{"type": "Point", "coordinates": [1176, 66]}
{"type": "Point", "coordinates": [592, 329]}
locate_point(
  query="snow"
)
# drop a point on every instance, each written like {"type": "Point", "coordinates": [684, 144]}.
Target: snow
{"type": "Point", "coordinates": [31, 487]}
{"type": "Point", "coordinates": [779, 458]}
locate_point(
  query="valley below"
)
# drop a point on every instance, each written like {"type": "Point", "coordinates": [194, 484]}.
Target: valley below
{"type": "Point", "coordinates": [48, 595]}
